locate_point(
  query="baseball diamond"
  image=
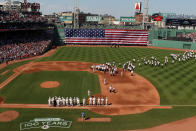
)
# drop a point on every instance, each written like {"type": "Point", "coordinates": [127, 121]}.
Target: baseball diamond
{"type": "Point", "coordinates": [83, 65]}
{"type": "Point", "coordinates": [160, 93]}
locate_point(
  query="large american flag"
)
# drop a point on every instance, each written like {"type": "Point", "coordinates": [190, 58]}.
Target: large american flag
{"type": "Point", "coordinates": [106, 36]}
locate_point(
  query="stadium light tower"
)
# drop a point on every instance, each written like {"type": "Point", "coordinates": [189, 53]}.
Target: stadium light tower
{"type": "Point", "coordinates": [145, 15]}
{"type": "Point", "coordinates": [76, 14]}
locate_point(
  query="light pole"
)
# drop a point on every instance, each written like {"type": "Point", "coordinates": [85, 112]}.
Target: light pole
{"type": "Point", "coordinates": [145, 14]}
{"type": "Point", "coordinates": [76, 14]}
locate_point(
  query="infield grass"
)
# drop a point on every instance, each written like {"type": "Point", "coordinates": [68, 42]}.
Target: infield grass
{"type": "Point", "coordinates": [26, 87]}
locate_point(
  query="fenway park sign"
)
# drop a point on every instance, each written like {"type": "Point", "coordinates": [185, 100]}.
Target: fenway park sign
{"type": "Point", "coordinates": [45, 123]}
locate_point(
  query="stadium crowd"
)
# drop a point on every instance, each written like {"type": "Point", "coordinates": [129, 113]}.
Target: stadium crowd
{"type": "Point", "coordinates": [20, 49]}
{"type": "Point", "coordinates": [13, 16]}
{"type": "Point", "coordinates": [191, 35]}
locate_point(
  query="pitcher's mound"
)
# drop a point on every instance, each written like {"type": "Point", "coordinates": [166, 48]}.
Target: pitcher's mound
{"type": "Point", "coordinates": [8, 116]}
{"type": "Point", "coordinates": [50, 84]}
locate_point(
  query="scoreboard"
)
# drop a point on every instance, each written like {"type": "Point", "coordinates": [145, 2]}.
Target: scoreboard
{"type": "Point", "coordinates": [181, 22]}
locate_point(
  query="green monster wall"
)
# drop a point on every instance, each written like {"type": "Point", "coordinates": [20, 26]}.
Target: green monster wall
{"type": "Point", "coordinates": [174, 44]}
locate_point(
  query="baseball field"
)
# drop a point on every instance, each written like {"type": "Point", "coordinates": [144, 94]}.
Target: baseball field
{"type": "Point", "coordinates": [152, 97]}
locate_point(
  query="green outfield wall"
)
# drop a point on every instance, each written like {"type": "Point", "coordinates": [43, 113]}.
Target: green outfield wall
{"type": "Point", "coordinates": [174, 44]}
{"type": "Point", "coordinates": [166, 33]}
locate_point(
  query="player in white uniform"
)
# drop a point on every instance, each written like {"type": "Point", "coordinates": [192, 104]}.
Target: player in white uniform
{"type": "Point", "coordinates": [67, 101]}
{"type": "Point", "coordinates": [94, 101]}
{"type": "Point", "coordinates": [58, 102]}
{"type": "Point", "coordinates": [63, 100]}
{"type": "Point", "coordinates": [89, 93]}
{"type": "Point", "coordinates": [49, 101]}
{"type": "Point", "coordinates": [102, 101]}
{"type": "Point", "coordinates": [104, 82]}
{"type": "Point", "coordinates": [98, 101]}
{"type": "Point", "coordinates": [110, 88]}
{"type": "Point", "coordinates": [84, 101]}
{"type": "Point", "coordinates": [71, 101]}
{"type": "Point", "coordinates": [90, 101]}
{"type": "Point", "coordinates": [78, 101]}
{"type": "Point", "coordinates": [131, 72]}
{"type": "Point", "coordinates": [106, 101]}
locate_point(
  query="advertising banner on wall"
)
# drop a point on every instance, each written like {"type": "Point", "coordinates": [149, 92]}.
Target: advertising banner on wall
{"type": "Point", "coordinates": [66, 19]}
{"type": "Point", "coordinates": [128, 19]}
{"type": "Point", "coordinates": [138, 7]}
{"type": "Point", "coordinates": [93, 18]}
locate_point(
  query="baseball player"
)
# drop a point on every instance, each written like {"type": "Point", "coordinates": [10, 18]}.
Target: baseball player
{"type": "Point", "coordinates": [105, 81]}
{"type": "Point", "coordinates": [106, 101]}
{"type": "Point", "coordinates": [52, 101]}
{"type": "Point", "coordinates": [74, 101]}
{"type": "Point", "coordinates": [63, 101]}
{"type": "Point", "coordinates": [131, 72]}
{"type": "Point", "coordinates": [84, 101]}
{"type": "Point", "coordinates": [67, 101]}
{"type": "Point", "coordinates": [90, 101]}
{"type": "Point", "coordinates": [110, 88]}
{"type": "Point", "coordinates": [114, 90]}
{"type": "Point", "coordinates": [89, 93]}
{"type": "Point", "coordinates": [78, 101]}
{"type": "Point", "coordinates": [58, 102]}
{"type": "Point", "coordinates": [49, 101]}
{"type": "Point", "coordinates": [102, 101]}
{"type": "Point", "coordinates": [94, 101]}
{"type": "Point", "coordinates": [98, 101]}
{"type": "Point", "coordinates": [71, 101]}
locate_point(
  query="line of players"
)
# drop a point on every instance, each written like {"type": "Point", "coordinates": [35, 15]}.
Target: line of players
{"type": "Point", "coordinates": [69, 101]}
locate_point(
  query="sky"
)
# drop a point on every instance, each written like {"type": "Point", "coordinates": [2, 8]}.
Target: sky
{"type": "Point", "coordinates": [118, 8]}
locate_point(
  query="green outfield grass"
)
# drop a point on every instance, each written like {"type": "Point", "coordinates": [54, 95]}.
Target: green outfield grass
{"type": "Point", "coordinates": [145, 120]}
{"type": "Point", "coordinates": [26, 87]}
